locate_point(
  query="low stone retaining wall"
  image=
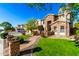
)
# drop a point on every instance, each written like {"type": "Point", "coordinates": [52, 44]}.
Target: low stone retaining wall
{"type": "Point", "coordinates": [14, 48]}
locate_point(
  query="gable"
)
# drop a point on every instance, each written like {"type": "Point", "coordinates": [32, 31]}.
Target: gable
{"type": "Point", "coordinates": [49, 17]}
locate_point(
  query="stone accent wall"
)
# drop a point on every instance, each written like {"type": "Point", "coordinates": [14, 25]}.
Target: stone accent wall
{"type": "Point", "coordinates": [68, 30]}
{"type": "Point", "coordinates": [14, 48]}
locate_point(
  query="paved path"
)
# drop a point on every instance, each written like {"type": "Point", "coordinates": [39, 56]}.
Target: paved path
{"type": "Point", "coordinates": [27, 48]}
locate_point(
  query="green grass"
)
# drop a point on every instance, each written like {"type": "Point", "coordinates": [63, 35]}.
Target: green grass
{"type": "Point", "coordinates": [56, 47]}
{"type": "Point", "coordinates": [25, 37]}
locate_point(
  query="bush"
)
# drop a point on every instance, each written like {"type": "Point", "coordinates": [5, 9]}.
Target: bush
{"type": "Point", "coordinates": [77, 37]}
{"type": "Point", "coordinates": [77, 32]}
{"type": "Point", "coordinates": [77, 42]}
{"type": "Point", "coordinates": [35, 32]}
{"type": "Point", "coordinates": [22, 38]}
{"type": "Point", "coordinates": [3, 35]}
{"type": "Point", "coordinates": [43, 34]}
{"type": "Point", "coordinates": [40, 28]}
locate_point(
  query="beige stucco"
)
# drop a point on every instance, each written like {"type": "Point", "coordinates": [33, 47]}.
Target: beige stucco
{"type": "Point", "coordinates": [56, 21]}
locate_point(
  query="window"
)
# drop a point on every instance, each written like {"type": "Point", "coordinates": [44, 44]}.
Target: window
{"type": "Point", "coordinates": [62, 29]}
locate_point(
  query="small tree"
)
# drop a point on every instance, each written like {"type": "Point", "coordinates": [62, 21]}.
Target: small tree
{"type": "Point", "coordinates": [7, 26]}
{"type": "Point", "coordinates": [40, 28]}
{"type": "Point", "coordinates": [32, 24]}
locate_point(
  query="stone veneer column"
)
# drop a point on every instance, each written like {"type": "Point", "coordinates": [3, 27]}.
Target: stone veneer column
{"type": "Point", "coordinates": [58, 29]}
{"type": "Point", "coordinates": [14, 48]}
{"type": "Point", "coordinates": [67, 29]}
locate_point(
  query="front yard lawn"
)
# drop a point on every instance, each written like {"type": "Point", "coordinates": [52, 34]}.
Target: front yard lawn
{"type": "Point", "coordinates": [55, 47]}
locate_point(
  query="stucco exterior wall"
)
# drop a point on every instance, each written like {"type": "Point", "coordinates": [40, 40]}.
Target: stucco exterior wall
{"type": "Point", "coordinates": [58, 25]}
{"type": "Point", "coordinates": [61, 21]}
{"type": "Point", "coordinates": [48, 18]}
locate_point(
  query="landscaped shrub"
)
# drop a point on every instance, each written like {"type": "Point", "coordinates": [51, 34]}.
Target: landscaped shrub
{"type": "Point", "coordinates": [77, 37]}
{"type": "Point", "coordinates": [77, 32]}
{"type": "Point", "coordinates": [4, 35]}
{"type": "Point", "coordinates": [23, 38]}
{"type": "Point", "coordinates": [40, 28]}
{"type": "Point", "coordinates": [43, 34]}
{"type": "Point", "coordinates": [35, 32]}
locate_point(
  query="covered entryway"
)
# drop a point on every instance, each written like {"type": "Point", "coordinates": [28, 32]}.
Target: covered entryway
{"type": "Point", "coordinates": [48, 25]}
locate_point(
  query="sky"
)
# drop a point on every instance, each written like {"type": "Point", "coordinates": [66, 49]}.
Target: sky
{"type": "Point", "coordinates": [20, 13]}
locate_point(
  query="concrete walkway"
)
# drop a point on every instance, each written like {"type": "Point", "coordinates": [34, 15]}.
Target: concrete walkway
{"type": "Point", "coordinates": [26, 48]}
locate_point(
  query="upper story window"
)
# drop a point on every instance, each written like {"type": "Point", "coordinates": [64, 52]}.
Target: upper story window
{"type": "Point", "coordinates": [62, 29]}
